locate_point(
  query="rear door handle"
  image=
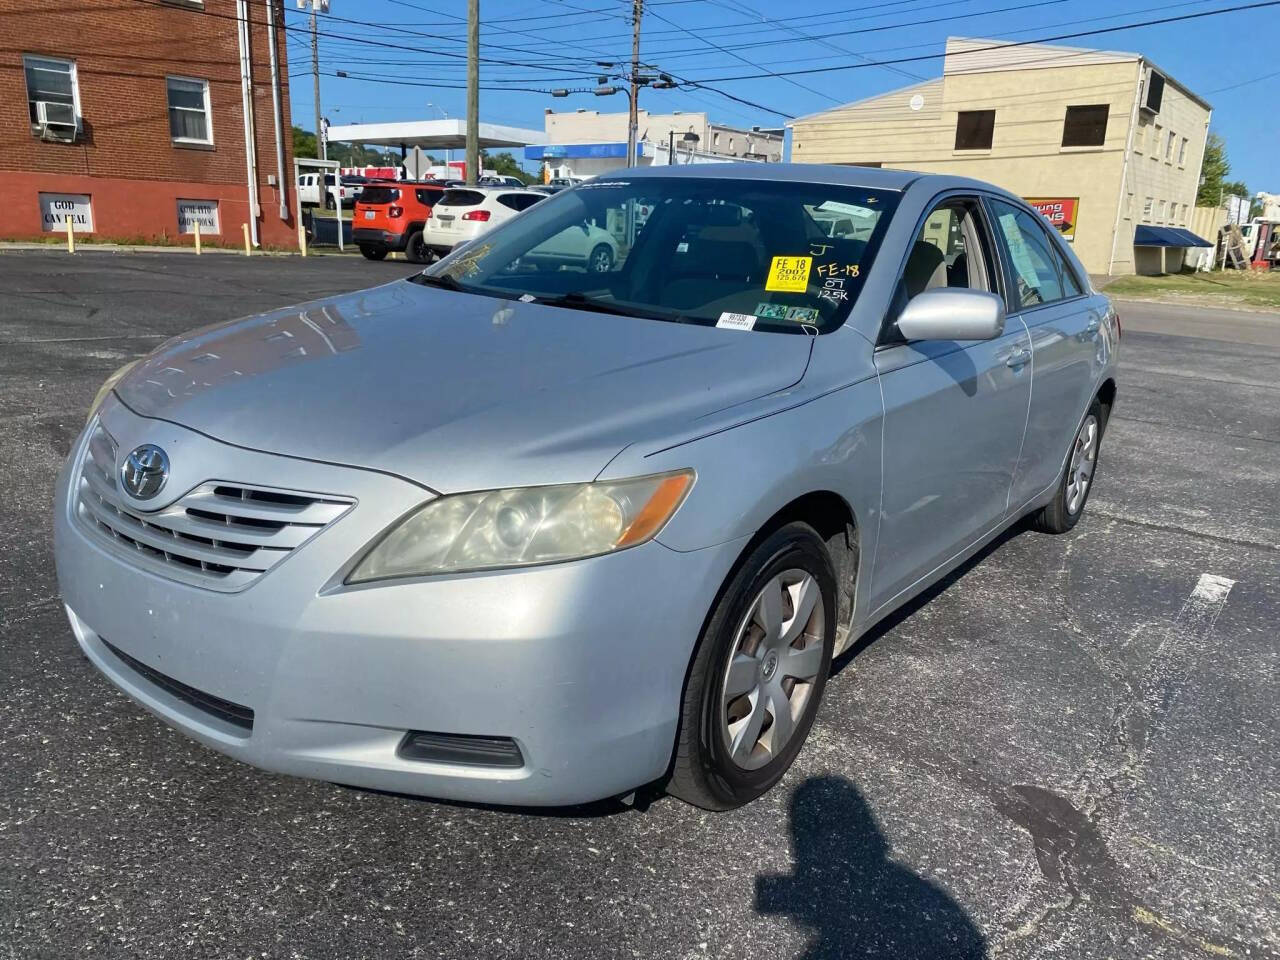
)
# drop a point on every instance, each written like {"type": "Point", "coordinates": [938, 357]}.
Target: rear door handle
{"type": "Point", "coordinates": [1019, 357]}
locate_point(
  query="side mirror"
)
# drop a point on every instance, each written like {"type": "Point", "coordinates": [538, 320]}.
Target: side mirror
{"type": "Point", "coordinates": [952, 313]}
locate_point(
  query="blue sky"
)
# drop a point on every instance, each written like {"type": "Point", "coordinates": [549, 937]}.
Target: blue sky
{"type": "Point", "coordinates": [412, 53]}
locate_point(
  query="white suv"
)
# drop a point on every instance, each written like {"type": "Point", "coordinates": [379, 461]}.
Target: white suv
{"type": "Point", "coordinates": [463, 213]}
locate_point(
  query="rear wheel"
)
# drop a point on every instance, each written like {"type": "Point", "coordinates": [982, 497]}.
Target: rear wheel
{"type": "Point", "coordinates": [1064, 511]}
{"type": "Point", "coordinates": [758, 674]}
{"type": "Point", "coordinates": [415, 250]}
{"type": "Point", "coordinates": [373, 253]}
{"type": "Point", "coordinates": [601, 259]}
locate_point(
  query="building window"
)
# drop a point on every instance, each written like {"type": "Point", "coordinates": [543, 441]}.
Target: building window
{"type": "Point", "coordinates": [189, 120]}
{"type": "Point", "coordinates": [1159, 210]}
{"type": "Point", "coordinates": [1184, 214]}
{"type": "Point", "coordinates": [1146, 209]}
{"type": "Point", "coordinates": [53, 96]}
{"type": "Point", "coordinates": [1155, 142]}
{"type": "Point", "coordinates": [1168, 147]}
{"type": "Point", "coordinates": [1128, 206]}
{"type": "Point", "coordinates": [1085, 126]}
{"type": "Point", "coordinates": [1182, 153]}
{"type": "Point", "coordinates": [974, 129]}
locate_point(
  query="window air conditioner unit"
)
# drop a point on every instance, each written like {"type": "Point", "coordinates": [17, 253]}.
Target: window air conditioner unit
{"type": "Point", "coordinates": [1152, 92]}
{"type": "Point", "coordinates": [56, 121]}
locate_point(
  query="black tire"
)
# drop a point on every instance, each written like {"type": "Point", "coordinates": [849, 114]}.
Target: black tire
{"type": "Point", "coordinates": [415, 250]}
{"type": "Point", "coordinates": [703, 772]}
{"type": "Point", "coordinates": [601, 259]}
{"type": "Point", "coordinates": [1058, 516]}
{"type": "Point", "coordinates": [373, 253]}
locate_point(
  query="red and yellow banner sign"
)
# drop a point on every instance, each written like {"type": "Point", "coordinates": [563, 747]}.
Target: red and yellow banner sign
{"type": "Point", "coordinates": [1060, 211]}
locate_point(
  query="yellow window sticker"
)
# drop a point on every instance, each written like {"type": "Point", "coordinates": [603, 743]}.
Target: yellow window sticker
{"type": "Point", "coordinates": [789, 274]}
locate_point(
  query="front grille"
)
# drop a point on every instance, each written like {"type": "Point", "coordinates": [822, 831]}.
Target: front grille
{"type": "Point", "coordinates": [220, 535]}
{"type": "Point", "coordinates": [235, 714]}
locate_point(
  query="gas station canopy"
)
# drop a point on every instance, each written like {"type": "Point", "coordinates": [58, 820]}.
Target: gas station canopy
{"type": "Point", "coordinates": [432, 134]}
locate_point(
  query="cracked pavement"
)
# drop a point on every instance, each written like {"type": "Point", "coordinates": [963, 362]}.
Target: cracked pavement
{"type": "Point", "coordinates": [1070, 748]}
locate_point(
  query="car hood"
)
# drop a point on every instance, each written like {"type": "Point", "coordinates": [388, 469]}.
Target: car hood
{"type": "Point", "coordinates": [452, 390]}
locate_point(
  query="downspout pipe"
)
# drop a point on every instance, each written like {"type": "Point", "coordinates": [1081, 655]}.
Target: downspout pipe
{"type": "Point", "coordinates": [276, 115]}
{"type": "Point", "coordinates": [246, 97]}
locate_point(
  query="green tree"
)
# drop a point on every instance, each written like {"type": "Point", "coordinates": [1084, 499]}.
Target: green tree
{"type": "Point", "coordinates": [504, 164]}
{"type": "Point", "coordinates": [1214, 185]}
{"type": "Point", "coordinates": [304, 143]}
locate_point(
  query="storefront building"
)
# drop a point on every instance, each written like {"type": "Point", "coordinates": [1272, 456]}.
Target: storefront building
{"type": "Point", "coordinates": [1107, 145]}
{"type": "Point", "coordinates": [586, 143]}
{"type": "Point", "coordinates": [129, 121]}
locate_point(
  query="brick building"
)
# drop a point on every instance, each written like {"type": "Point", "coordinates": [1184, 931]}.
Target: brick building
{"type": "Point", "coordinates": [130, 120]}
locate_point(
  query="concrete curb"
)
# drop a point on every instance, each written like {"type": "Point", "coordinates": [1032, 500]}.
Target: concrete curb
{"type": "Point", "coordinates": [189, 251]}
{"type": "Point", "coordinates": [1260, 311]}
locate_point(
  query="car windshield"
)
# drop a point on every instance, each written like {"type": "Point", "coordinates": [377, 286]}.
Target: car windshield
{"type": "Point", "coordinates": [754, 254]}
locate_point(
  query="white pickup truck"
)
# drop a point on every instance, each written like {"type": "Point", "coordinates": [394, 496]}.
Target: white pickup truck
{"type": "Point", "coordinates": [310, 193]}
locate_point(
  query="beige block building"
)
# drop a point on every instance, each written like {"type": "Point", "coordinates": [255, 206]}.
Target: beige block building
{"type": "Point", "coordinates": [1105, 143]}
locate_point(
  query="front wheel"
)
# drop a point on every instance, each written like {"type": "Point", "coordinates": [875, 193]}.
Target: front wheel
{"type": "Point", "coordinates": [758, 674]}
{"type": "Point", "coordinates": [601, 259]}
{"type": "Point", "coordinates": [1064, 511]}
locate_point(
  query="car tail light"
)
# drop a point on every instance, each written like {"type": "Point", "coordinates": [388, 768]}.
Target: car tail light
{"type": "Point", "coordinates": [481, 215]}
{"type": "Point", "coordinates": [393, 211]}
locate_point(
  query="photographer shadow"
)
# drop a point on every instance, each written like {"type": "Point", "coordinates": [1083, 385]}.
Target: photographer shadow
{"type": "Point", "coordinates": [854, 899]}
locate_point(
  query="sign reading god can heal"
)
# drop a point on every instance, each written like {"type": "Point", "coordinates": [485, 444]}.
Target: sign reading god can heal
{"type": "Point", "coordinates": [789, 274]}
{"type": "Point", "coordinates": [56, 209]}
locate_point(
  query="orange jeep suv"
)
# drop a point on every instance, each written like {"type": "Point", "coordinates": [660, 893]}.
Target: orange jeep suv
{"type": "Point", "coordinates": [390, 215]}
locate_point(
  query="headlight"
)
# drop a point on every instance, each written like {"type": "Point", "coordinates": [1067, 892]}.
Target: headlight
{"type": "Point", "coordinates": [107, 387]}
{"type": "Point", "coordinates": [523, 526]}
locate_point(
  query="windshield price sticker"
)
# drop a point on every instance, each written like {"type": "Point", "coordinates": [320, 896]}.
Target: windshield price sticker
{"type": "Point", "coordinates": [833, 290]}
{"type": "Point", "coordinates": [736, 321]}
{"type": "Point", "coordinates": [789, 274]}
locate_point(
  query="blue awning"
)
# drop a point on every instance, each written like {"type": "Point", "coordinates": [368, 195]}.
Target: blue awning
{"type": "Point", "coordinates": [1145, 236]}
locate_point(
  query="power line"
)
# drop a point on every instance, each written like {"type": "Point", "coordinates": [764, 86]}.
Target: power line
{"type": "Point", "coordinates": [1005, 46]}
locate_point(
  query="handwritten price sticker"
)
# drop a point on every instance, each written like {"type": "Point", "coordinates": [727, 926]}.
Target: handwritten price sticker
{"type": "Point", "coordinates": [789, 274]}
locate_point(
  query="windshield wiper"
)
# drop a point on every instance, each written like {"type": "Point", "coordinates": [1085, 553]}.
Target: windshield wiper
{"type": "Point", "coordinates": [439, 280]}
{"type": "Point", "coordinates": [576, 300]}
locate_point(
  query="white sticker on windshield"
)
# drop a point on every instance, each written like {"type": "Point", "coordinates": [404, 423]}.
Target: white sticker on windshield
{"type": "Point", "coordinates": [736, 321]}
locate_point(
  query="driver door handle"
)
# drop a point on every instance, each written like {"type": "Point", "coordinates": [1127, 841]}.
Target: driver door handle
{"type": "Point", "coordinates": [1019, 357]}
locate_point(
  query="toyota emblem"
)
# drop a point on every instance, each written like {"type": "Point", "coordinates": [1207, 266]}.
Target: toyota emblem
{"type": "Point", "coordinates": [144, 471]}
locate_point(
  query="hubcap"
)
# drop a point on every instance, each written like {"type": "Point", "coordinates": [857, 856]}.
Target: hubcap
{"type": "Point", "coordinates": [1084, 457]}
{"type": "Point", "coordinates": [773, 665]}
{"type": "Point", "coordinates": [600, 263]}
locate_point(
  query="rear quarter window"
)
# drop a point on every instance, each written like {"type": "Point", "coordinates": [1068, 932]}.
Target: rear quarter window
{"type": "Point", "coordinates": [428, 198]}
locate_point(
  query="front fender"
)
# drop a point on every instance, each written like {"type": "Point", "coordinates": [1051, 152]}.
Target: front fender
{"type": "Point", "coordinates": [749, 472]}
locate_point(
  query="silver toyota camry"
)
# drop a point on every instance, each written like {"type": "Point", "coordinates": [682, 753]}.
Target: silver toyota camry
{"type": "Point", "coordinates": [516, 531]}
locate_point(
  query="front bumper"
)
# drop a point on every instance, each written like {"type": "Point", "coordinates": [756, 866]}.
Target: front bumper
{"type": "Point", "coordinates": [580, 663]}
{"type": "Point", "coordinates": [382, 239]}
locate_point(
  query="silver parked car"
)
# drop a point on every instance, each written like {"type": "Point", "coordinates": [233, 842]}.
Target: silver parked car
{"type": "Point", "coordinates": [544, 536]}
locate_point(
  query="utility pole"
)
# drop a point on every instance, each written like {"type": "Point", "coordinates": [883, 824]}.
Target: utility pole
{"type": "Point", "coordinates": [633, 120]}
{"type": "Point", "coordinates": [473, 91]}
{"type": "Point", "coordinates": [321, 145]}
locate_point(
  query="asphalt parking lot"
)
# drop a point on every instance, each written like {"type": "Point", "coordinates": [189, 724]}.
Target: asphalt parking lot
{"type": "Point", "coordinates": [1070, 749]}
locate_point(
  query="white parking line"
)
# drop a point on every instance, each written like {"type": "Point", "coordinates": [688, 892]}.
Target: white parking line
{"type": "Point", "coordinates": [1187, 638]}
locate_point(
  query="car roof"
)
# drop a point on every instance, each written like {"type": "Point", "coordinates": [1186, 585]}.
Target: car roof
{"type": "Point", "coordinates": [877, 178]}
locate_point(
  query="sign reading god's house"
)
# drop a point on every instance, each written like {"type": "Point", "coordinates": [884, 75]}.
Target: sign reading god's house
{"type": "Point", "coordinates": [203, 212]}
{"type": "Point", "coordinates": [57, 208]}
{"type": "Point", "coordinates": [1060, 211]}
